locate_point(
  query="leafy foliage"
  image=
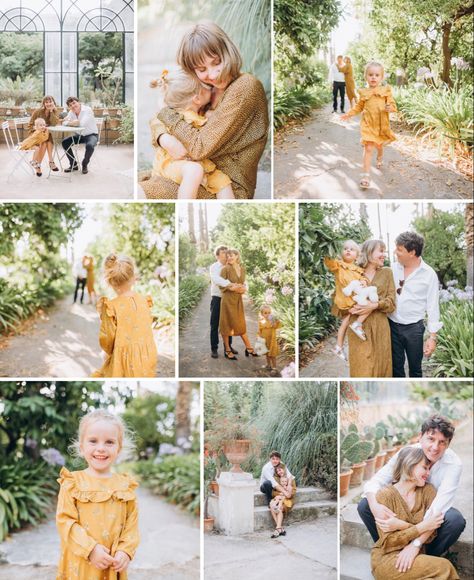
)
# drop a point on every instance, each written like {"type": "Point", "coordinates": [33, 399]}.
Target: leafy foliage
{"type": "Point", "coordinates": [191, 289]}
{"type": "Point", "coordinates": [126, 128]}
{"type": "Point", "coordinates": [22, 55]}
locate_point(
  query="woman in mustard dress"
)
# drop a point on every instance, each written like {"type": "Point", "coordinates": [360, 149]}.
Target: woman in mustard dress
{"type": "Point", "coordinates": [373, 357]}
{"type": "Point", "coordinates": [409, 498]}
{"type": "Point", "coordinates": [375, 104]}
{"type": "Point", "coordinates": [232, 314]}
{"type": "Point", "coordinates": [289, 484]}
{"type": "Point", "coordinates": [88, 264]}
{"type": "Point", "coordinates": [126, 333]}
{"type": "Point", "coordinates": [349, 80]}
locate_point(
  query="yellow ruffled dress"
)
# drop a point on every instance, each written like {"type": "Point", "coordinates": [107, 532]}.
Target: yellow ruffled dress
{"type": "Point", "coordinates": [126, 336]}
{"type": "Point", "coordinates": [93, 510]}
{"type": "Point", "coordinates": [375, 122]}
{"type": "Point", "coordinates": [165, 166]}
{"type": "Point", "coordinates": [344, 274]}
{"type": "Point", "coordinates": [33, 140]}
{"type": "Point", "coordinates": [267, 329]}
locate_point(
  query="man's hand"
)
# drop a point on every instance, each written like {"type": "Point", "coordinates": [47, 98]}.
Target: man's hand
{"type": "Point", "coordinates": [406, 558]}
{"type": "Point", "coordinates": [390, 524]}
{"type": "Point", "coordinates": [429, 347]}
{"type": "Point", "coordinates": [100, 557]}
{"type": "Point", "coordinates": [370, 307]}
{"type": "Point", "coordinates": [381, 512]}
{"type": "Point", "coordinates": [72, 123]}
{"type": "Point", "coordinates": [173, 146]}
{"type": "Point", "coordinates": [121, 562]}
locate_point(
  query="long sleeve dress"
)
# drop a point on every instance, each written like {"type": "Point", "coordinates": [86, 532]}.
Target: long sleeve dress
{"type": "Point", "coordinates": [127, 338]}
{"type": "Point", "coordinates": [92, 511]}
{"type": "Point", "coordinates": [344, 274]}
{"type": "Point", "coordinates": [349, 80]}
{"type": "Point", "coordinates": [375, 122]}
{"type": "Point", "coordinates": [267, 329]}
{"type": "Point", "coordinates": [389, 545]}
{"type": "Point", "coordinates": [88, 264]}
{"type": "Point", "coordinates": [373, 357]}
{"type": "Point", "coordinates": [234, 139]}
{"type": "Point", "coordinates": [51, 119]}
{"type": "Point", "coordinates": [232, 315]}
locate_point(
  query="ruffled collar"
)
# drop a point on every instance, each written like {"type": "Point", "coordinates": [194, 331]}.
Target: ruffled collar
{"type": "Point", "coordinates": [86, 488]}
{"type": "Point", "coordinates": [383, 91]}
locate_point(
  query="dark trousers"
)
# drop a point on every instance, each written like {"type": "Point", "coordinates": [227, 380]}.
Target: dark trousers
{"type": "Point", "coordinates": [89, 140]}
{"type": "Point", "coordinates": [267, 489]}
{"type": "Point", "coordinates": [407, 341]}
{"type": "Point", "coordinates": [215, 315]}
{"type": "Point", "coordinates": [446, 536]}
{"type": "Point", "coordinates": [338, 87]}
{"type": "Point", "coordinates": [80, 285]}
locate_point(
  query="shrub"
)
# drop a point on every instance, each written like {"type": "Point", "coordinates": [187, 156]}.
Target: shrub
{"type": "Point", "coordinates": [20, 91]}
{"type": "Point", "coordinates": [296, 103]}
{"type": "Point", "coordinates": [126, 128]}
{"type": "Point", "coordinates": [191, 289]}
{"type": "Point", "coordinates": [177, 478]}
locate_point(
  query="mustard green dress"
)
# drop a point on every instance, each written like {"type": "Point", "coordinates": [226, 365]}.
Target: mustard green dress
{"type": "Point", "coordinates": [34, 140]}
{"type": "Point", "coordinates": [93, 510]}
{"type": "Point", "coordinates": [232, 315]}
{"type": "Point", "coordinates": [126, 336]}
{"type": "Point", "coordinates": [344, 274]}
{"type": "Point", "coordinates": [349, 80]}
{"type": "Point", "coordinates": [375, 122]}
{"type": "Point", "coordinates": [390, 544]}
{"type": "Point", "coordinates": [267, 329]}
{"type": "Point", "coordinates": [51, 119]}
{"type": "Point", "coordinates": [288, 502]}
{"type": "Point", "coordinates": [373, 357]}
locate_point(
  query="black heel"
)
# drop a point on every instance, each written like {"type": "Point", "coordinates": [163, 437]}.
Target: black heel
{"type": "Point", "coordinates": [250, 352]}
{"type": "Point", "coordinates": [226, 354]}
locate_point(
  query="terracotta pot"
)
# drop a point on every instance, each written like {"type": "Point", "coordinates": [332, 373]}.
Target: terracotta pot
{"type": "Point", "coordinates": [380, 460]}
{"type": "Point", "coordinates": [357, 474]}
{"type": "Point", "coordinates": [344, 479]}
{"type": "Point", "coordinates": [208, 525]}
{"type": "Point", "coordinates": [214, 487]}
{"type": "Point", "coordinates": [369, 468]}
{"type": "Point", "coordinates": [390, 454]}
{"type": "Point", "coordinates": [236, 451]}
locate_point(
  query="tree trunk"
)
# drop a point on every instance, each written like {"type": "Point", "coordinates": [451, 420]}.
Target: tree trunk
{"type": "Point", "coordinates": [202, 233]}
{"type": "Point", "coordinates": [183, 415]}
{"type": "Point", "coordinates": [206, 227]}
{"type": "Point", "coordinates": [445, 76]}
{"type": "Point", "coordinates": [469, 233]}
{"type": "Point", "coordinates": [192, 233]}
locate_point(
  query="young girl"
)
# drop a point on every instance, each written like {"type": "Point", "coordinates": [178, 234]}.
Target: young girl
{"type": "Point", "coordinates": [126, 324]}
{"type": "Point", "coordinates": [189, 96]}
{"type": "Point", "coordinates": [279, 500]}
{"type": "Point", "coordinates": [375, 103]}
{"type": "Point", "coordinates": [345, 270]}
{"type": "Point", "coordinates": [97, 516]}
{"type": "Point", "coordinates": [40, 135]}
{"type": "Point", "coordinates": [267, 329]}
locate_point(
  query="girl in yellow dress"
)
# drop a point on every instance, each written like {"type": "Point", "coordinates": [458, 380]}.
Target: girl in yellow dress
{"type": "Point", "coordinates": [345, 270]}
{"type": "Point", "coordinates": [126, 333]}
{"type": "Point", "coordinates": [189, 97]}
{"type": "Point", "coordinates": [375, 103]}
{"type": "Point", "coordinates": [285, 501]}
{"type": "Point", "coordinates": [40, 135]}
{"type": "Point", "coordinates": [267, 329]}
{"type": "Point", "coordinates": [97, 515]}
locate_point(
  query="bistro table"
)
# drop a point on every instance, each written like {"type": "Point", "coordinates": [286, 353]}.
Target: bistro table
{"type": "Point", "coordinates": [58, 133]}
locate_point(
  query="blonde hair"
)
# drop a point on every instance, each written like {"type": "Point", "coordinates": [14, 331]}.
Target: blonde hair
{"type": "Point", "coordinates": [206, 39]}
{"type": "Point", "coordinates": [125, 436]}
{"type": "Point", "coordinates": [235, 253]}
{"type": "Point", "coordinates": [367, 250]}
{"type": "Point", "coordinates": [39, 120]}
{"type": "Point", "coordinates": [408, 458]}
{"type": "Point", "coordinates": [357, 247]}
{"type": "Point", "coordinates": [373, 64]}
{"type": "Point", "coordinates": [178, 87]}
{"type": "Point", "coordinates": [265, 307]}
{"type": "Point", "coordinates": [118, 270]}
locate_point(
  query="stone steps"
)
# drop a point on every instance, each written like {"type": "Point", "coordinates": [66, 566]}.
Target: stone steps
{"type": "Point", "coordinates": [303, 494]}
{"type": "Point", "coordinates": [300, 512]}
{"type": "Point", "coordinates": [355, 535]}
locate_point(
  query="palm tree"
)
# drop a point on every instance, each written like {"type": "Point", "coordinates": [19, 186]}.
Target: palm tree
{"type": "Point", "coordinates": [183, 415]}
{"type": "Point", "coordinates": [469, 233]}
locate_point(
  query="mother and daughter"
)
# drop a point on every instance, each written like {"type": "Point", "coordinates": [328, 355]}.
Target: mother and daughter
{"type": "Point", "coordinates": [212, 132]}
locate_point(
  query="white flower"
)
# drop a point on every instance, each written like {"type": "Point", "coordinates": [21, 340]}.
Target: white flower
{"type": "Point", "coordinates": [287, 290]}
{"type": "Point", "coordinates": [289, 371]}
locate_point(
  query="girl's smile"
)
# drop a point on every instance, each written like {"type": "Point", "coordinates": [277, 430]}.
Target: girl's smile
{"type": "Point", "coordinates": [100, 447]}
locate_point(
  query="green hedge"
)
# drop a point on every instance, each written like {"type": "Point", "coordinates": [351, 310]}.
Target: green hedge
{"type": "Point", "coordinates": [191, 289]}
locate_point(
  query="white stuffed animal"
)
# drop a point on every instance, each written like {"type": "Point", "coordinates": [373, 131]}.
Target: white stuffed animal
{"type": "Point", "coordinates": [361, 294]}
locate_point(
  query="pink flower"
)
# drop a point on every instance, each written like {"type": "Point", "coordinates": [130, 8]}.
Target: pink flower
{"type": "Point", "coordinates": [287, 290]}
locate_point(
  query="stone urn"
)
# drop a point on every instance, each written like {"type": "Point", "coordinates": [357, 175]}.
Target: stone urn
{"type": "Point", "coordinates": [236, 451]}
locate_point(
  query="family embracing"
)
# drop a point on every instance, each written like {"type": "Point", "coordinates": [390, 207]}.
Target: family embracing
{"type": "Point", "coordinates": [383, 309]}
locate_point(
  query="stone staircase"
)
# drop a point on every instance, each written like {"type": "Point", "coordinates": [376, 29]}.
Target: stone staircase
{"type": "Point", "coordinates": [356, 544]}
{"type": "Point", "coordinates": [310, 503]}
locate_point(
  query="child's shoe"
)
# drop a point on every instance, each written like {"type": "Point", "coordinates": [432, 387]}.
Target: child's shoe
{"type": "Point", "coordinates": [339, 351]}
{"type": "Point", "coordinates": [357, 328]}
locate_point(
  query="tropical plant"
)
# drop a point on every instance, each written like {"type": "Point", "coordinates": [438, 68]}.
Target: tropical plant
{"type": "Point", "coordinates": [191, 289]}
{"type": "Point", "coordinates": [20, 90]}
{"type": "Point", "coordinates": [354, 448]}
{"type": "Point", "coordinates": [126, 128]}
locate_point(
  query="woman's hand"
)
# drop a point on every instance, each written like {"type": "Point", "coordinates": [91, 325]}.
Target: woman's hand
{"type": "Point", "coordinates": [370, 307]}
{"type": "Point", "coordinates": [431, 524]}
{"type": "Point", "coordinates": [100, 557]}
{"type": "Point", "coordinates": [390, 524]}
{"type": "Point", "coordinates": [122, 560]}
{"type": "Point", "coordinates": [173, 146]}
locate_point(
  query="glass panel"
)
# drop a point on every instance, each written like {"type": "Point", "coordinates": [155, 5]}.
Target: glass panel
{"type": "Point", "coordinates": [52, 52]}
{"type": "Point", "coordinates": [129, 52]}
{"type": "Point", "coordinates": [69, 52]}
{"type": "Point", "coordinates": [129, 88]}
{"type": "Point", "coordinates": [53, 86]}
{"type": "Point", "coordinates": [70, 88]}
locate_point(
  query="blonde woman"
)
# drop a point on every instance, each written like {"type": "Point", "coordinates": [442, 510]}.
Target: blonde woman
{"type": "Point", "coordinates": [235, 134]}
{"type": "Point", "coordinates": [349, 79]}
{"type": "Point", "coordinates": [373, 357]}
{"type": "Point", "coordinates": [232, 314]}
{"type": "Point", "coordinates": [88, 265]}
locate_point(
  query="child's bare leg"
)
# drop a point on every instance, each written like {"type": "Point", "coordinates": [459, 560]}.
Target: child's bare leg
{"type": "Point", "coordinates": [362, 317]}
{"type": "Point", "coordinates": [269, 361]}
{"type": "Point", "coordinates": [273, 362]}
{"type": "Point", "coordinates": [379, 162]}
{"type": "Point", "coordinates": [226, 193]}
{"type": "Point", "coordinates": [367, 161]}
{"type": "Point", "coordinates": [341, 333]}
{"type": "Point", "coordinates": [192, 176]}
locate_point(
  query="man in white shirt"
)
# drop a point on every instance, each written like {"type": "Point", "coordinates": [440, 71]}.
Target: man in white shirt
{"type": "Point", "coordinates": [445, 473]}
{"type": "Point", "coordinates": [417, 288]}
{"type": "Point", "coordinates": [216, 295]}
{"type": "Point", "coordinates": [338, 82]}
{"type": "Point", "coordinates": [80, 273]}
{"type": "Point", "coordinates": [267, 478]}
{"type": "Point", "coordinates": [80, 116]}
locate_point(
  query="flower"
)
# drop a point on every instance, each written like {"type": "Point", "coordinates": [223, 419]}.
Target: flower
{"type": "Point", "coordinates": [287, 290]}
{"type": "Point", "coordinates": [289, 371]}
{"type": "Point", "coordinates": [31, 443]}
{"type": "Point", "coordinates": [269, 296]}
{"type": "Point", "coordinates": [460, 63]}
{"type": "Point", "coordinates": [162, 272]}
{"type": "Point", "coordinates": [52, 456]}
{"type": "Point", "coordinates": [452, 283]}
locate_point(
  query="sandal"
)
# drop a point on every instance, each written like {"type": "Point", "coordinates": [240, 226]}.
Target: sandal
{"type": "Point", "coordinates": [339, 351]}
{"type": "Point", "coordinates": [364, 181]}
{"type": "Point", "coordinates": [250, 352]}
{"type": "Point", "coordinates": [379, 163]}
{"type": "Point", "coordinates": [53, 166]}
{"type": "Point", "coordinates": [230, 355]}
{"type": "Point", "coordinates": [283, 532]}
{"type": "Point", "coordinates": [277, 533]}
{"type": "Point", "coordinates": [357, 328]}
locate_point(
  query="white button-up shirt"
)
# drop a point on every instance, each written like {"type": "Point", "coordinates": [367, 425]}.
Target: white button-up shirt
{"type": "Point", "coordinates": [217, 280]}
{"type": "Point", "coordinates": [419, 296]}
{"type": "Point", "coordinates": [444, 476]}
{"type": "Point", "coordinates": [268, 472]}
{"type": "Point", "coordinates": [78, 269]}
{"type": "Point", "coordinates": [86, 119]}
{"type": "Point", "coordinates": [335, 75]}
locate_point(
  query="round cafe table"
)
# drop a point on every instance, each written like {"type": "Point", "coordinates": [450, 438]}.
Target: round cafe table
{"type": "Point", "coordinates": [58, 133]}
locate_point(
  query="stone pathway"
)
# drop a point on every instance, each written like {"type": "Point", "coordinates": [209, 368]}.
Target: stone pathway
{"type": "Point", "coordinates": [309, 550]}
{"type": "Point", "coordinates": [169, 547]}
{"type": "Point", "coordinates": [64, 342]}
{"type": "Point", "coordinates": [322, 160]}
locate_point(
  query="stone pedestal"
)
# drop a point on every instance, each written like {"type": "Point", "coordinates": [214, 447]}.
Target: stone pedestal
{"type": "Point", "coordinates": [236, 503]}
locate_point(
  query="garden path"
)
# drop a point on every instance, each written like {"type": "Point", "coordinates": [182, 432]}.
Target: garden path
{"type": "Point", "coordinates": [169, 547]}
{"type": "Point", "coordinates": [64, 342]}
{"type": "Point", "coordinates": [324, 363]}
{"type": "Point", "coordinates": [195, 352]}
{"type": "Point", "coordinates": [321, 159]}
{"type": "Point", "coordinates": [309, 550]}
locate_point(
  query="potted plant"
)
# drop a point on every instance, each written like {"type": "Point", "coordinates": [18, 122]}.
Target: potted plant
{"type": "Point", "coordinates": [345, 470]}
{"type": "Point", "coordinates": [375, 435]}
{"type": "Point", "coordinates": [355, 451]}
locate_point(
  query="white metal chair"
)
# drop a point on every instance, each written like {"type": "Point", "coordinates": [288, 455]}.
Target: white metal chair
{"type": "Point", "coordinates": [21, 159]}
{"type": "Point", "coordinates": [19, 122]}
